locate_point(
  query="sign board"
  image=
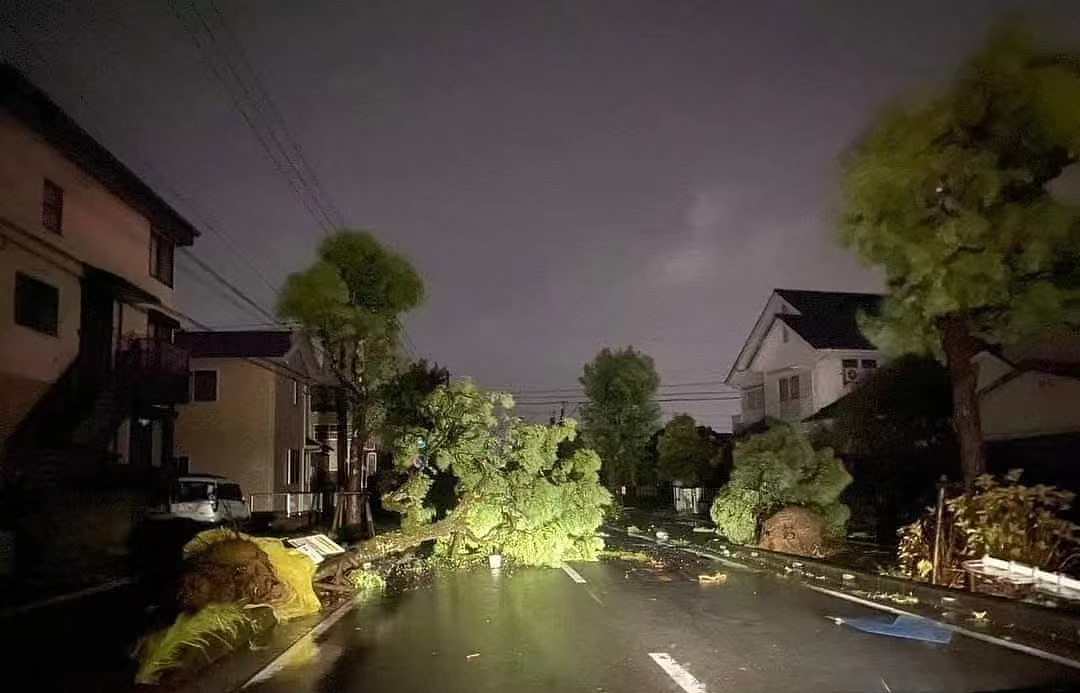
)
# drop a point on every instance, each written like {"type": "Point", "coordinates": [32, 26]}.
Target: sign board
{"type": "Point", "coordinates": [316, 545]}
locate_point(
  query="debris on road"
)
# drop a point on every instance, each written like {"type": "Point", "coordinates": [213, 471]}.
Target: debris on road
{"type": "Point", "coordinates": [704, 530]}
{"type": "Point", "coordinates": [902, 626]}
{"type": "Point", "coordinates": [717, 579]}
{"type": "Point", "coordinates": [661, 535]}
{"type": "Point", "coordinates": [470, 656]}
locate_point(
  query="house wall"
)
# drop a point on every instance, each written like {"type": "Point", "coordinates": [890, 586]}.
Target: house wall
{"type": "Point", "coordinates": [829, 373]}
{"type": "Point", "coordinates": [98, 228]}
{"type": "Point", "coordinates": [233, 436]}
{"type": "Point", "coordinates": [1031, 404]}
{"type": "Point", "coordinates": [290, 426]}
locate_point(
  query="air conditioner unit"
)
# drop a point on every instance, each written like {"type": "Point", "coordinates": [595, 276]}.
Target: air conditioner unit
{"type": "Point", "coordinates": [852, 375]}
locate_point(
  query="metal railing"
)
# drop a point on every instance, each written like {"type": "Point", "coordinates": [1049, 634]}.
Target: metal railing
{"type": "Point", "coordinates": [288, 503]}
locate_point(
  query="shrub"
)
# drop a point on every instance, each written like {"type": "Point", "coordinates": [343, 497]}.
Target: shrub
{"type": "Point", "coordinates": [775, 469]}
{"type": "Point", "coordinates": [1005, 520]}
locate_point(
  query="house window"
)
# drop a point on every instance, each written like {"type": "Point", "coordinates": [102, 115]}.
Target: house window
{"type": "Point", "coordinates": [851, 363]}
{"type": "Point", "coordinates": [204, 386]}
{"type": "Point", "coordinates": [295, 393]}
{"type": "Point", "coordinates": [37, 304]}
{"type": "Point", "coordinates": [784, 389]}
{"type": "Point", "coordinates": [292, 468]}
{"type": "Point", "coordinates": [161, 258]}
{"type": "Point", "coordinates": [755, 399]}
{"type": "Point", "coordinates": [183, 465]}
{"type": "Point", "coordinates": [324, 433]}
{"type": "Point", "coordinates": [869, 363]}
{"type": "Point", "coordinates": [52, 206]}
{"type": "Point", "coordinates": [794, 387]}
{"type": "Point", "coordinates": [783, 333]}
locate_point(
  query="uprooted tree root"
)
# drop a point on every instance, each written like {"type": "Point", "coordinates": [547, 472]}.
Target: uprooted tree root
{"type": "Point", "coordinates": [229, 571]}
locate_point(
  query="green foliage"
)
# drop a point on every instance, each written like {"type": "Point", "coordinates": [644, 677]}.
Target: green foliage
{"type": "Point", "coordinates": [775, 469]}
{"type": "Point", "coordinates": [1004, 520]}
{"type": "Point", "coordinates": [166, 649]}
{"type": "Point", "coordinates": [366, 582]}
{"type": "Point", "coordinates": [686, 455]}
{"type": "Point", "coordinates": [950, 197]}
{"type": "Point", "coordinates": [403, 397]}
{"type": "Point", "coordinates": [621, 413]}
{"type": "Point", "coordinates": [350, 302]}
{"type": "Point", "coordinates": [517, 496]}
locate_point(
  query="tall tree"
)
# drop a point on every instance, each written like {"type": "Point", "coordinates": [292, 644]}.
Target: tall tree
{"type": "Point", "coordinates": [350, 301]}
{"type": "Point", "coordinates": [951, 197]}
{"type": "Point", "coordinates": [620, 413]}
{"type": "Point", "coordinates": [403, 397]}
{"type": "Point", "coordinates": [686, 453]}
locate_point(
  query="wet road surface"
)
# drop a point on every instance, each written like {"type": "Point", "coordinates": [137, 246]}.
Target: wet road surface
{"type": "Point", "coordinates": [631, 627]}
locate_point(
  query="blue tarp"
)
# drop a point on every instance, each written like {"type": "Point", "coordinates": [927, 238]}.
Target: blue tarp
{"type": "Point", "coordinates": [910, 627]}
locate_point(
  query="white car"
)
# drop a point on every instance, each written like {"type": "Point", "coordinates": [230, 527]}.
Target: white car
{"type": "Point", "coordinates": [207, 498]}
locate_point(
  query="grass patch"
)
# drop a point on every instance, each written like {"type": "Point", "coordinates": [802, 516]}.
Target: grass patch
{"type": "Point", "coordinates": [217, 624]}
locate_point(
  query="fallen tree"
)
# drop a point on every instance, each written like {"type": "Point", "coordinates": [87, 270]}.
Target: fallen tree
{"type": "Point", "coordinates": [516, 495]}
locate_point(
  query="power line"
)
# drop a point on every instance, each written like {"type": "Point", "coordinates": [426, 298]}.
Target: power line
{"type": "Point", "coordinates": [227, 284]}
{"type": "Point", "coordinates": [246, 104]}
{"type": "Point", "coordinates": [579, 388]}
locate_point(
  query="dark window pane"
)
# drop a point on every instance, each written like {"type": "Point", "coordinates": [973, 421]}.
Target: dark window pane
{"type": "Point", "coordinates": [161, 258]}
{"type": "Point", "coordinates": [869, 363]}
{"type": "Point", "coordinates": [204, 386]}
{"type": "Point", "coordinates": [783, 389]}
{"type": "Point", "coordinates": [794, 387]}
{"type": "Point", "coordinates": [52, 206]}
{"type": "Point", "coordinates": [37, 304]}
{"type": "Point", "coordinates": [229, 492]}
{"type": "Point", "coordinates": [191, 491]}
{"type": "Point", "coordinates": [851, 363]}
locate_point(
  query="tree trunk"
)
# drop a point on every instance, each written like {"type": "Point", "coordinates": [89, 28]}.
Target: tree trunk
{"type": "Point", "coordinates": [353, 501]}
{"type": "Point", "coordinates": [960, 347]}
{"type": "Point", "coordinates": [392, 542]}
{"type": "Point", "coordinates": [341, 407]}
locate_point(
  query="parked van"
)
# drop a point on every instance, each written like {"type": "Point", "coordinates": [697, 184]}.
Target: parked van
{"type": "Point", "coordinates": [207, 498]}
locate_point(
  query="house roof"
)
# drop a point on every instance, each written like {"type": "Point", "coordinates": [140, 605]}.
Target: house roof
{"type": "Point", "coordinates": [829, 319]}
{"type": "Point", "coordinates": [238, 344]}
{"type": "Point", "coordinates": [39, 113]}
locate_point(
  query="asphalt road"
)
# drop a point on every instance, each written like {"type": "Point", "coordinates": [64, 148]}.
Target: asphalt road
{"type": "Point", "coordinates": [631, 627]}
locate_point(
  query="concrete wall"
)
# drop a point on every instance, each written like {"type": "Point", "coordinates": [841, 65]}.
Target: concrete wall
{"type": "Point", "coordinates": [98, 227]}
{"type": "Point", "coordinates": [1031, 404]}
{"type": "Point", "coordinates": [233, 436]}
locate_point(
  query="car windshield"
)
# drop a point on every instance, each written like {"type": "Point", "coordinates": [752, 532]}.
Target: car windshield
{"type": "Point", "coordinates": [229, 492]}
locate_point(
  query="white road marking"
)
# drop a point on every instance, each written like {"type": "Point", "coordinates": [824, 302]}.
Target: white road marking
{"type": "Point", "coordinates": [681, 676]}
{"type": "Point", "coordinates": [1019, 647]}
{"type": "Point", "coordinates": [574, 575]}
{"type": "Point", "coordinates": [282, 659]}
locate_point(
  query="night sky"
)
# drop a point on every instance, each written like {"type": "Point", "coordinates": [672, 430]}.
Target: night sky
{"type": "Point", "coordinates": [565, 175]}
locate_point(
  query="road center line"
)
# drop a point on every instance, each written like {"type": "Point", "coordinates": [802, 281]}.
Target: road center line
{"type": "Point", "coordinates": [574, 575]}
{"type": "Point", "coordinates": [681, 676]}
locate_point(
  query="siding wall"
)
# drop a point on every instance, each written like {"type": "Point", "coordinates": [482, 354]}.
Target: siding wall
{"type": "Point", "coordinates": [233, 436]}
{"type": "Point", "coordinates": [1031, 404]}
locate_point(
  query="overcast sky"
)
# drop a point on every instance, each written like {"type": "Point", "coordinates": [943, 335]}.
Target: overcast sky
{"type": "Point", "coordinates": [565, 175]}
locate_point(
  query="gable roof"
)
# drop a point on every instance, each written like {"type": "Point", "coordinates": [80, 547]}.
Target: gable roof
{"type": "Point", "coordinates": [238, 344]}
{"type": "Point", "coordinates": [829, 319]}
{"type": "Point", "coordinates": [34, 109]}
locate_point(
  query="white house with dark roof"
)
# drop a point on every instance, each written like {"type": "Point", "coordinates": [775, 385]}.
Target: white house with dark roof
{"type": "Point", "coordinates": [804, 352]}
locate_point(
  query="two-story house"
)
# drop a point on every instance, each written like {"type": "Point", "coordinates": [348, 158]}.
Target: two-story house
{"type": "Point", "coordinates": [251, 416]}
{"type": "Point", "coordinates": [88, 373]}
{"type": "Point", "coordinates": [86, 276]}
{"type": "Point", "coordinates": [804, 352]}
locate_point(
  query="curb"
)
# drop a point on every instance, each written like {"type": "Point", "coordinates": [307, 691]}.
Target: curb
{"type": "Point", "coordinates": [61, 598]}
{"type": "Point", "coordinates": [282, 660]}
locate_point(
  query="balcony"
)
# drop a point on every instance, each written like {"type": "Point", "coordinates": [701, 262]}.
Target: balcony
{"type": "Point", "coordinates": [158, 371]}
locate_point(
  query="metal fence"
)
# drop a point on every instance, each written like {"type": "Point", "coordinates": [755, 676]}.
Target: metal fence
{"type": "Point", "coordinates": [287, 503]}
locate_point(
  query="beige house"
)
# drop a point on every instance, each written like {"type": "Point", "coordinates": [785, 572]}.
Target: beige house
{"type": "Point", "coordinates": [250, 416]}
{"type": "Point", "coordinates": [89, 376]}
{"type": "Point", "coordinates": [86, 280]}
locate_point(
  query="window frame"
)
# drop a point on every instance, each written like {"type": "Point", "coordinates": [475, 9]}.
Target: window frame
{"type": "Point", "coordinates": [795, 387]}
{"type": "Point", "coordinates": [217, 384]}
{"type": "Point", "coordinates": [292, 457]}
{"type": "Point", "coordinates": [50, 206]}
{"type": "Point", "coordinates": [158, 241]}
{"type": "Point", "coordinates": [24, 279]}
{"type": "Point", "coordinates": [785, 392]}
{"type": "Point", "coordinates": [868, 364]}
